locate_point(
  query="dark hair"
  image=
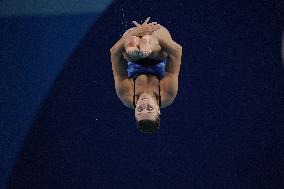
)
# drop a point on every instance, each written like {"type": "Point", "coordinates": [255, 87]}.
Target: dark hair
{"type": "Point", "coordinates": [148, 126]}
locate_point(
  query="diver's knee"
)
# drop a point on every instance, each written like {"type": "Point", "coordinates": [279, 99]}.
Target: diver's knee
{"type": "Point", "coordinates": [132, 41]}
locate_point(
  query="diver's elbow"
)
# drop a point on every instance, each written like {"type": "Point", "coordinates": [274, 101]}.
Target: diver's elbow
{"type": "Point", "coordinates": [179, 48]}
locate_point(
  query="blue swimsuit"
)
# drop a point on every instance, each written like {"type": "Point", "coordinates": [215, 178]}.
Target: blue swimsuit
{"type": "Point", "coordinates": [148, 67]}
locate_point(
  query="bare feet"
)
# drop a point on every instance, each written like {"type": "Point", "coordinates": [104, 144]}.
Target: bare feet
{"type": "Point", "coordinates": [131, 47]}
{"type": "Point", "coordinates": [133, 52]}
{"type": "Point", "coordinates": [145, 48]}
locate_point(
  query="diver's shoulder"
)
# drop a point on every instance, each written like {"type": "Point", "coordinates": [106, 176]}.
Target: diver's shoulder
{"type": "Point", "coordinates": [126, 98]}
{"type": "Point", "coordinates": [167, 99]}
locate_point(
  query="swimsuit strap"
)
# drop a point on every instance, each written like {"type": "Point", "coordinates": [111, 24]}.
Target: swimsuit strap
{"type": "Point", "coordinates": [160, 102]}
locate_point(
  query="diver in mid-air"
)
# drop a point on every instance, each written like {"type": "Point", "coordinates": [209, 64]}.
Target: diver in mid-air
{"type": "Point", "coordinates": [146, 64]}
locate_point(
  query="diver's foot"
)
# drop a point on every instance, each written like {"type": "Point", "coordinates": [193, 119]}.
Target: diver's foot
{"type": "Point", "coordinates": [131, 47]}
{"type": "Point", "coordinates": [145, 48]}
{"type": "Point", "coordinates": [133, 52]}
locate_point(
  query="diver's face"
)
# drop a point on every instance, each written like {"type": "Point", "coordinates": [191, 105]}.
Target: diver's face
{"type": "Point", "coordinates": [146, 108]}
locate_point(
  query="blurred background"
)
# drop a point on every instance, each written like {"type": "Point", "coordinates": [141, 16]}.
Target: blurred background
{"type": "Point", "coordinates": [62, 125]}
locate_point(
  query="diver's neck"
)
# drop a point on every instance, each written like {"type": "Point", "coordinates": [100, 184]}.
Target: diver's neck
{"type": "Point", "coordinates": [150, 93]}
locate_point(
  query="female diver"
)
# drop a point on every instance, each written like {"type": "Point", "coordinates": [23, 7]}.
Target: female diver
{"type": "Point", "coordinates": [146, 64]}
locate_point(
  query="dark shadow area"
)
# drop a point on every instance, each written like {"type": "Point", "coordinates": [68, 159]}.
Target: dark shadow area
{"type": "Point", "coordinates": [223, 130]}
{"type": "Point", "coordinates": [33, 50]}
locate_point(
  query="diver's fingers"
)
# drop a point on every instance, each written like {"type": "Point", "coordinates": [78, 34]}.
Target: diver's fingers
{"type": "Point", "coordinates": [135, 23]}
{"type": "Point", "coordinates": [147, 20]}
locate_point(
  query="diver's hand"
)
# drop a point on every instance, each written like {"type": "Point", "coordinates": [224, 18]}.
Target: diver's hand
{"type": "Point", "coordinates": [145, 28]}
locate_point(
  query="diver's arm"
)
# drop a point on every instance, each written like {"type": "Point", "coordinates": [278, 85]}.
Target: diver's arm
{"type": "Point", "coordinates": [119, 68]}
{"type": "Point", "coordinates": [170, 80]}
{"type": "Point", "coordinates": [174, 52]}
{"type": "Point", "coordinates": [119, 65]}
{"type": "Point", "coordinates": [118, 48]}
{"type": "Point", "coordinates": [169, 45]}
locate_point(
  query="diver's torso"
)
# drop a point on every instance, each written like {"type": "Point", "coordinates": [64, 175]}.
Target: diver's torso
{"type": "Point", "coordinates": [146, 83]}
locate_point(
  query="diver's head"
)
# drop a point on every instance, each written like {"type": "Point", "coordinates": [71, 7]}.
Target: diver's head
{"type": "Point", "coordinates": [147, 113]}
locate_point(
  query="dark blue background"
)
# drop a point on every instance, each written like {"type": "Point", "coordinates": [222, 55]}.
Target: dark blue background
{"type": "Point", "coordinates": [33, 51]}
{"type": "Point", "coordinates": [224, 129]}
